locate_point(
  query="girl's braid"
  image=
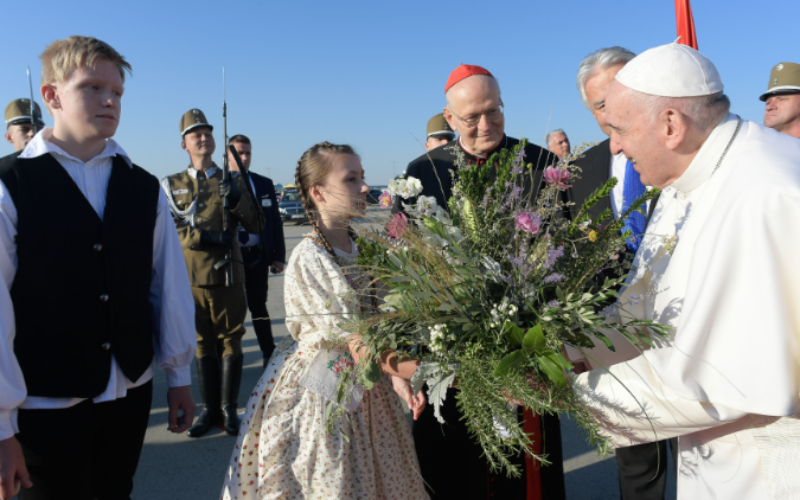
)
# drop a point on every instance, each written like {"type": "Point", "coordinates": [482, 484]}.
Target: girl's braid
{"type": "Point", "coordinates": [307, 161]}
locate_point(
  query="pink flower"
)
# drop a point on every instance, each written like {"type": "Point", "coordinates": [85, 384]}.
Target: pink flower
{"type": "Point", "coordinates": [397, 226]}
{"type": "Point", "coordinates": [557, 177]}
{"type": "Point", "coordinates": [385, 200]}
{"type": "Point", "coordinates": [529, 222]}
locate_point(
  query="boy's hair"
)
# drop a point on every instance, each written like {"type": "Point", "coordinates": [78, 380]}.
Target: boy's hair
{"type": "Point", "coordinates": [61, 57]}
{"type": "Point", "coordinates": [242, 139]}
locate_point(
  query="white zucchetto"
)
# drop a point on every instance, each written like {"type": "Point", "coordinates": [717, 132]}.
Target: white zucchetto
{"type": "Point", "coordinates": [671, 70]}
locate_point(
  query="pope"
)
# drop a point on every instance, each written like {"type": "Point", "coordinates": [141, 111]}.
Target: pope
{"type": "Point", "coordinates": [719, 265]}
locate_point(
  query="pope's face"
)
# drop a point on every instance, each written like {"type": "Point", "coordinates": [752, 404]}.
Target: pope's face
{"type": "Point", "coordinates": [88, 105]}
{"type": "Point", "coordinates": [782, 111]}
{"type": "Point", "coordinates": [596, 89]}
{"type": "Point", "coordinates": [20, 135]}
{"type": "Point", "coordinates": [475, 112]}
{"type": "Point", "coordinates": [637, 137]}
{"type": "Point", "coordinates": [199, 142]}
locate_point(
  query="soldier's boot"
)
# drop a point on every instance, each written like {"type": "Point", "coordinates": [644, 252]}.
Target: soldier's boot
{"type": "Point", "coordinates": [231, 379]}
{"type": "Point", "coordinates": [266, 342]}
{"type": "Point", "coordinates": [209, 378]}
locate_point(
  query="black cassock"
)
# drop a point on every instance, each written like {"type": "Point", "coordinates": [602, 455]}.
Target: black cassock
{"type": "Point", "coordinates": [451, 461]}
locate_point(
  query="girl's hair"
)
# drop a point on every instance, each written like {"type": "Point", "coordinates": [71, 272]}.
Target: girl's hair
{"type": "Point", "coordinates": [312, 169]}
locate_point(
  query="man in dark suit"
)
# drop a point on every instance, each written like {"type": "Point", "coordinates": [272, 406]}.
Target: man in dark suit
{"type": "Point", "coordinates": [642, 468]}
{"type": "Point", "coordinates": [261, 252]}
{"type": "Point", "coordinates": [475, 110]}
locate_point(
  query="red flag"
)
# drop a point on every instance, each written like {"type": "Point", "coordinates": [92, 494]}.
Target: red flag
{"type": "Point", "coordinates": [685, 20]}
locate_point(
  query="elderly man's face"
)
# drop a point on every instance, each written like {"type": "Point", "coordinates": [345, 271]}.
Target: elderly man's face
{"type": "Point", "coordinates": [596, 89]}
{"type": "Point", "coordinates": [782, 111]}
{"type": "Point", "coordinates": [476, 99]}
{"type": "Point", "coordinates": [638, 138]}
{"type": "Point", "coordinates": [559, 144]}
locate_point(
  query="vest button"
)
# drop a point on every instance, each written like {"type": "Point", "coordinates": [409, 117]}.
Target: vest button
{"type": "Point", "coordinates": [98, 247]}
{"type": "Point", "coordinates": [106, 346]}
{"type": "Point", "coordinates": [202, 205]}
{"type": "Point", "coordinates": [104, 297]}
{"type": "Point", "coordinates": [202, 190]}
{"type": "Point", "coordinates": [199, 219]}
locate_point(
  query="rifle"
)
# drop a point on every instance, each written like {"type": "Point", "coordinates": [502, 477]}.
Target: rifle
{"type": "Point", "coordinates": [34, 118]}
{"type": "Point", "coordinates": [226, 176]}
{"type": "Point", "coordinates": [227, 262]}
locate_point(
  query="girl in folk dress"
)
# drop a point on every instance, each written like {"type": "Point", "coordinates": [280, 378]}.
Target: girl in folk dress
{"type": "Point", "coordinates": [283, 450]}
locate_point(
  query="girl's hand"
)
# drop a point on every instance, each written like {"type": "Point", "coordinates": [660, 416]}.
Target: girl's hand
{"type": "Point", "coordinates": [403, 389]}
{"type": "Point", "coordinates": [421, 402]}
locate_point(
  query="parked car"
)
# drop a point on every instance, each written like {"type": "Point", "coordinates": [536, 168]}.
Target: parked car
{"type": "Point", "coordinates": [291, 208]}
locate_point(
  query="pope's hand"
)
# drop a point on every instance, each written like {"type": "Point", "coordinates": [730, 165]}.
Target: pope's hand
{"type": "Point", "coordinates": [180, 399]}
{"type": "Point", "coordinates": [13, 472]}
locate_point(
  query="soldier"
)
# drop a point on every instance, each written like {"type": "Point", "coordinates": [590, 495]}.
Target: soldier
{"type": "Point", "coordinates": [195, 197]}
{"type": "Point", "coordinates": [19, 122]}
{"type": "Point", "coordinates": [783, 99]}
{"type": "Point", "coordinates": [439, 132]}
{"type": "Point", "coordinates": [262, 252]}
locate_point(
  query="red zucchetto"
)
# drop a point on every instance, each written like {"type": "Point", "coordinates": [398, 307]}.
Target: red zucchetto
{"type": "Point", "coordinates": [463, 71]}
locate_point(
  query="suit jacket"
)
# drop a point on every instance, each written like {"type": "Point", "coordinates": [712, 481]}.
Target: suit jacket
{"type": "Point", "coordinates": [272, 243]}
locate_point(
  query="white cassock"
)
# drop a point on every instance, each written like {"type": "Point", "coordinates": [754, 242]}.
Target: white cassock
{"type": "Point", "coordinates": [721, 266]}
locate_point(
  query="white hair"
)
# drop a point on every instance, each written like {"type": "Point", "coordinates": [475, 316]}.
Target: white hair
{"type": "Point", "coordinates": [492, 78]}
{"type": "Point", "coordinates": [552, 133]}
{"type": "Point", "coordinates": [704, 112]}
{"type": "Point", "coordinates": [600, 59]}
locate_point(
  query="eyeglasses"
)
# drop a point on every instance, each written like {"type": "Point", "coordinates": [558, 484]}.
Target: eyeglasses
{"type": "Point", "coordinates": [473, 120]}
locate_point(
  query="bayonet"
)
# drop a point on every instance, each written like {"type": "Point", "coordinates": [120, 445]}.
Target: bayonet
{"type": "Point", "coordinates": [34, 118]}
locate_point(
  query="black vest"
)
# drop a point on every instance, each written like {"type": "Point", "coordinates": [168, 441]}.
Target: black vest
{"type": "Point", "coordinates": [81, 291]}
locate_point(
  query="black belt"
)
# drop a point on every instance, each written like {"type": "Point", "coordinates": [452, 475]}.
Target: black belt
{"type": "Point", "coordinates": [252, 248]}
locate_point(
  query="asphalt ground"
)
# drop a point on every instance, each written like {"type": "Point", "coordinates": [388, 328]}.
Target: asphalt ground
{"type": "Point", "coordinates": [176, 467]}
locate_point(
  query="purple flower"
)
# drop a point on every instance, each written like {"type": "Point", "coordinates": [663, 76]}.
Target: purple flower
{"type": "Point", "coordinates": [397, 226]}
{"type": "Point", "coordinates": [553, 278]}
{"type": "Point", "coordinates": [553, 254]}
{"type": "Point", "coordinates": [557, 177]}
{"type": "Point", "coordinates": [385, 200]}
{"type": "Point", "coordinates": [553, 303]}
{"type": "Point", "coordinates": [528, 222]}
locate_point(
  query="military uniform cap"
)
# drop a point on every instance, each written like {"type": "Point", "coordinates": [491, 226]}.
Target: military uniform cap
{"type": "Point", "coordinates": [19, 111]}
{"type": "Point", "coordinates": [438, 126]}
{"type": "Point", "coordinates": [192, 119]}
{"type": "Point", "coordinates": [784, 79]}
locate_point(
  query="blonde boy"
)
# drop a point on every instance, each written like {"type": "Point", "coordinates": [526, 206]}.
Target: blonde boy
{"type": "Point", "coordinates": [87, 240]}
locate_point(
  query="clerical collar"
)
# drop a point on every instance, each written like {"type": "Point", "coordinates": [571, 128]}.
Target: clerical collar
{"type": "Point", "coordinates": [210, 171]}
{"type": "Point", "coordinates": [503, 144]}
{"type": "Point", "coordinates": [707, 158]}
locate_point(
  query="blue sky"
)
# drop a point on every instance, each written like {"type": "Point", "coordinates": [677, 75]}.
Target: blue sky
{"type": "Point", "coordinates": [371, 74]}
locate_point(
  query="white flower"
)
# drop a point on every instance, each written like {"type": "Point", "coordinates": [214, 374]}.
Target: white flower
{"type": "Point", "coordinates": [426, 205]}
{"type": "Point", "coordinates": [414, 186]}
{"type": "Point", "coordinates": [396, 186]}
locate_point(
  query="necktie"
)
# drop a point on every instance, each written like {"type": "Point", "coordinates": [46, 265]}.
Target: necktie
{"type": "Point", "coordinates": [633, 189]}
{"type": "Point", "coordinates": [244, 237]}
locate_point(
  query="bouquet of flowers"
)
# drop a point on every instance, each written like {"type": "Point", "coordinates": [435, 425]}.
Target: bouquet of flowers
{"type": "Point", "coordinates": [488, 291]}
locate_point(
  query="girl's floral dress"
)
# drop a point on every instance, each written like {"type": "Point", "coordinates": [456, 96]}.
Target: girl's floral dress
{"type": "Point", "coordinates": [283, 450]}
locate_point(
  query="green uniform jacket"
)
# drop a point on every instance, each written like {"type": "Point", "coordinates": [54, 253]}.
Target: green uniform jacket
{"type": "Point", "coordinates": [196, 206]}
